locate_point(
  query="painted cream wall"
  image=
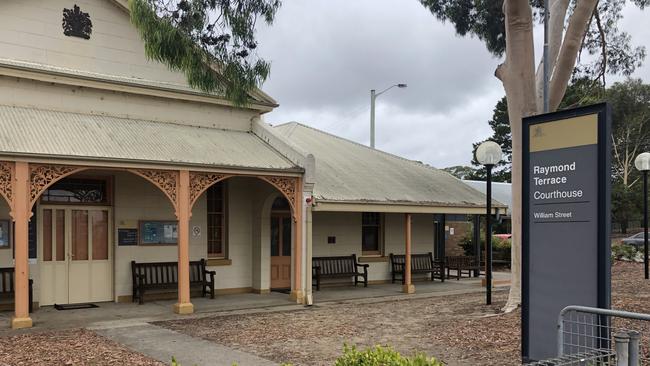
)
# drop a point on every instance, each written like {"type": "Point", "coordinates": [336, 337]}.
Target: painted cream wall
{"type": "Point", "coordinates": [136, 199]}
{"type": "Point", "coordinates": [346, 226]}
{"type": "Point", "coordinates": [32, 32]}
{"type": "Point", "coordinates": [29, 93]}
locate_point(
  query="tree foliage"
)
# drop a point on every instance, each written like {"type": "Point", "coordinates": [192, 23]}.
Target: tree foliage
{"type": "Point", "coordinates": [211, 41]}
{"type": "Point", "coordinates": [630, 102]}
{"type": "Point", "coordinates": [611, 48]}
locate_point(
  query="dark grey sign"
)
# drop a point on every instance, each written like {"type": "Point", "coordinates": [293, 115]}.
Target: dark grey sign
{"type": "Point", "coordinates": [565, 221]}
{"type": "Point", "coordinates": [127, 237]}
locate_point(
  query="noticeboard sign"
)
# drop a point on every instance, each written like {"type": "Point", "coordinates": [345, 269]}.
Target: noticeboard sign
{"type": "Point", "coordinates": [566, 220]}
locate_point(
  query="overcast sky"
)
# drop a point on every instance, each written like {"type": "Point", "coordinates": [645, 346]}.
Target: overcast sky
{"type": "Point", "coordinates": [327, 54]}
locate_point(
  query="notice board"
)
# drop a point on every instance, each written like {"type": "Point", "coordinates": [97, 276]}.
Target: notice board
{"type": "Point", "coordinates": [566, 220]}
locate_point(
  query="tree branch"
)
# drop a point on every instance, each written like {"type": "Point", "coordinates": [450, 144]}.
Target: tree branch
{"type": "Point", "coordinates": [566, 60]}
{"type": "Point", "coordinates": [557, 14]}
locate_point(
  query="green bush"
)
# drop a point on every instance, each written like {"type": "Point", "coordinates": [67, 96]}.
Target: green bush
{"type": "Point", "coordinates": [500, 247]}
{"type": "Point", "coordinates": [623, 252]}
{"type": "Point", "coordinates": [381, 356]}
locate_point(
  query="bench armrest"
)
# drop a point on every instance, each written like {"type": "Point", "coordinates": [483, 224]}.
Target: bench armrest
{"type": "Point", "coordinates": [364, 265]}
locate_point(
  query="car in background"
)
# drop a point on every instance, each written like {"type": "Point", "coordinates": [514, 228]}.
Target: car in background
{"type": "Point", "coordinates": [503, 236]}
{"type": "Point", "coordinates": [635, 240]}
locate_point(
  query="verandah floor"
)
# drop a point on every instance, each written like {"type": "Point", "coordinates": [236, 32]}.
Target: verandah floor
{"type": "Point", "coordinates": [109, 314]}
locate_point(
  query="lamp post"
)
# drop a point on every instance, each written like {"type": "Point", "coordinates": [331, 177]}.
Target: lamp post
{"type": "Point", "coordinates": [373, 97]}
{"type": "Point", "coordinates": [488, 154]}
{"type": "Point", "coordinates": [642, 163]}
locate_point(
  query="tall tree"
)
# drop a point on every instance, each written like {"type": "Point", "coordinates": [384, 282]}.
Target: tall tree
{"type": "Point", "coordinates": [506, 28]}
{"type": "Point", "coordinates": [630, 136]}
{"type": "Point", "coordinates": [500, 125]}
{"type": "Point", "coordinates": [211, 41]}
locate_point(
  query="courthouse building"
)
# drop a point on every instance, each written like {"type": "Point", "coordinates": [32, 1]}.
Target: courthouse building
{"type": "Point", "coordinates": [108, 158]}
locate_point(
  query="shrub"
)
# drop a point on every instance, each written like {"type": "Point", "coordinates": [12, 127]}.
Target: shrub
{"type": "Point", "coordinates": [500, 247]}
{"type": "Point", "coordinates": [623, 252]}
{"type": "Point", "coordinates": [381, 356]}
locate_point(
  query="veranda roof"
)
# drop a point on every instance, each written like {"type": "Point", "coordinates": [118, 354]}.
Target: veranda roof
{"type": "Point", "coordinates": [46, 133]}
{"type": "Point", "coordinates": [349, 173]}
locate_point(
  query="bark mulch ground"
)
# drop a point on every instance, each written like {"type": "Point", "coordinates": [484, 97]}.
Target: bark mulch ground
{"type": "Point", "coordinates": [452, 328]}
{"type": "Point", "coordinates": [458, 330]}
{"type": "Point", "coordinates": [68, 347]}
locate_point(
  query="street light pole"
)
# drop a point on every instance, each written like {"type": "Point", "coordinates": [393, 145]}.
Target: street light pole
{"type": "Point", "coordinates": [489, 154]}
{"type": "Point", "coordinates": [642, 164]}
{"type": "Point", "coordinates": [488, 236]}
{"type": "Point", "coordinates": [645, 224]}
{"type": "Point", "coordinates": [373, 98]}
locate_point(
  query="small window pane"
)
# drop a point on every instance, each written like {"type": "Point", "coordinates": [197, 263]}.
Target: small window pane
{"type": "Point", "coordinates": [100, 235]}
{"type": "Point", "coordinates": [370, 232]}
{"type": "Point", "coordinates": [79, 235]}
{"type": "Point", "coordinates": [275, 236]}
{"type": "Point", "coordinates": [47, 235]}
{"type": "Point", "coordinates": [60, 235]}
{"type": "Point", "coordinates": [216, 220]}
{"type": "Point", "coordinates": [72, 190]}
{"type": "Point", "coordinates": [286, 236]}
{"type": "Point", "coordinates": [370, 240]}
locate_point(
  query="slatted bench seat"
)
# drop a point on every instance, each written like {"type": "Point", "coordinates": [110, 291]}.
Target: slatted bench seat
{"type": "Point", "coordinates": [420, 263]}
{"type": "Point", "coordinates": [462, 264]}
{"type": "Point", "coordinates": [7, 286]}
{"type": "Point", "coordinates": [338, 267]}
{"type": "Point", "coordinates": [158, 276]}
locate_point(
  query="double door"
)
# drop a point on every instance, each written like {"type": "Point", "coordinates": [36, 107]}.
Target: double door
{"type": "Point", "coordinates": [75, 254]}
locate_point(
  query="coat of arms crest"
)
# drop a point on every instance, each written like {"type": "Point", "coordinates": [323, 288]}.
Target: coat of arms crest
{"type": "Point", "coordinates": [76, 23]}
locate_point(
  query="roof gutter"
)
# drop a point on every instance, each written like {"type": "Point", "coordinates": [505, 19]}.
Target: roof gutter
{"type": "Point", "coordinates": [111, 162]}
{"type": "Point", "coordinates": [403, 207]}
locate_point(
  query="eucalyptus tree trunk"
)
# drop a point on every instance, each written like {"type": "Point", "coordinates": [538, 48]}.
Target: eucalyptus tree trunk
{"type": "Point", "coordinates": [523, 87]}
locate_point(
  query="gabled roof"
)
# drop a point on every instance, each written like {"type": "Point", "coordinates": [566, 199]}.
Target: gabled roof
{"type": "Point", "coordinates": [65, 135]}
{"type": "Point", "coordinates": [353, 173]}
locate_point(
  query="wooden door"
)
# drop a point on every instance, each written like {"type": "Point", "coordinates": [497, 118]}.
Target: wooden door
{"type": "Point", "coordinates": [76, 255]}
{"type": "Point", "coordinates": [53, 256]}
{"type": "Point", "coordinates": [280, 251]}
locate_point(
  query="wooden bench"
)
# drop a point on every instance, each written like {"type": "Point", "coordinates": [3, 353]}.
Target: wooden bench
{"type": "Point", "coordinates": [7, 286]}
{"type": "Point", "coordinates": [462, 264]}
{"type": "Point", "coordinates": [159, 276]}
{"type": "Point", "coordinates": [420, 263]}
{"type": "Point", "coordinates": [338, 267]}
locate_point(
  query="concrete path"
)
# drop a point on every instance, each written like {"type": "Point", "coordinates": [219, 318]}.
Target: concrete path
{"type": "Point", "coordinates": [161, 344]}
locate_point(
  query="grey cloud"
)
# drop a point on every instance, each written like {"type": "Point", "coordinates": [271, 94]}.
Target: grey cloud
{"type": "Point", "coordinates": [327, 54]}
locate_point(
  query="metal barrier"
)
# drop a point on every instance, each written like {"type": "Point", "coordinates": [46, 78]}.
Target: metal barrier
{"type": "Point", "coordinates": [592, 336]}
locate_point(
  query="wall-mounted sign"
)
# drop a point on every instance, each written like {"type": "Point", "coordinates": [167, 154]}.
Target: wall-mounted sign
{"type": "Point", "coordinates": [566, 219]}
{"type": "Point", "coordinates": [196, 231]}
{"type": "Point", "coordinates": [127, 237]}
{"type": "Point", "coordinates": [158, 232]}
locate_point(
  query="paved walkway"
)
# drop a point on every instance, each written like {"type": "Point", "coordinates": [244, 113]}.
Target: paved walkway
{"type": "Point", "coordinates": [163, 344]}
{"type": "Point", "coordinates": [111, 314]}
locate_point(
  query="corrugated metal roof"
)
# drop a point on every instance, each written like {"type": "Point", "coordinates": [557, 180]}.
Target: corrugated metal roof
{"type": "Point", "coordinates": [350, 172]}
{"type": "Point", "coordinates": [64, 134]}
{"type": "Point", "coordinates": [501, 191]}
